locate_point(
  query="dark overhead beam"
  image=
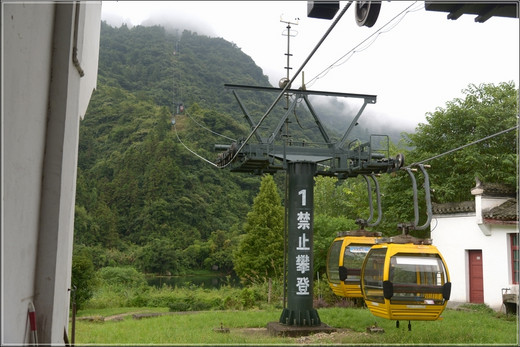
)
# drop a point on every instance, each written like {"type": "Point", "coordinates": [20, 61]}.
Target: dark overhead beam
{"type": "Point", "coordinates": [456, 12]}
{"type": "Point", "coordinates": [322, 9]}
{"type": "Point", "coordinates": [483, 9]}
{"type": "Point", "coordinates": [370, 98]}
{"type": "Point", "coordinates": [484, 15]}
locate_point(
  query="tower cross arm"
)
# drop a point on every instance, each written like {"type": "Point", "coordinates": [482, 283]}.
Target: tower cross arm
{"type": "Point", "coordinates": [371, 99]}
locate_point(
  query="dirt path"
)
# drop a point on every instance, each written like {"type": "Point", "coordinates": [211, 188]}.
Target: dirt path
{"type": "Point", "coordinates": [116, 317]}
{"type": "Point", "coordinates": [135, 314]}
{"type": "Point", "coordinates": [336, 337]}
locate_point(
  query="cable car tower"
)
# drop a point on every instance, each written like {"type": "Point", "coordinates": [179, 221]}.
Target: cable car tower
{"type": "Point", "coordinates": [302, 161]}
{"type": "Point", "coordinates": [178, 106]}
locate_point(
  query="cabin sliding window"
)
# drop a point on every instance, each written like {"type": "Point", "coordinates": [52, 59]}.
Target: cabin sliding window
{"type": "Point", "coordinates": [333, 261]}
{"type": "Point", "coordinates": [373, 275]}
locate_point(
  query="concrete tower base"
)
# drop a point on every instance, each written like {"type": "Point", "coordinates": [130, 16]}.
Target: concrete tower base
{"type": "Point", "coordinates": [278, 329]}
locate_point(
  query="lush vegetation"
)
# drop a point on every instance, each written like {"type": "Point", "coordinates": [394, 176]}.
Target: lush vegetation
{"type": "Point", "coordinates": [145, 204]}
{"type": "Point", "coordinates": [127, 287]}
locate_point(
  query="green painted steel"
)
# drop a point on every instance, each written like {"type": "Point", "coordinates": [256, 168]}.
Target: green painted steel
{"type": "Point", "coordinates": [300, 311]}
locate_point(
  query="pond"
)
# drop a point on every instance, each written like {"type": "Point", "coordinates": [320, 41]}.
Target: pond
{"type": "Point", "coordinates": [211, 281]}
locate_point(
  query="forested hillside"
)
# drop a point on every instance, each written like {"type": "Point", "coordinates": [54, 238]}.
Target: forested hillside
{"type": "Point", "coordinates": [174, 67]}
{"type": "Point", "coordinates": [142, 198]}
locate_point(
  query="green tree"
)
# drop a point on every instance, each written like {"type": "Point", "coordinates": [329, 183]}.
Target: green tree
{"type": "Point", "coordinates": [220, 252]}
{"type": "Point", "coordinates": [331, 198]}
{"type": "Point", "coordinates": [122, 276]}
{"type": "Point", "coordinates": [196, 254]}
{"type": "Point", "coordinates": [160, 256]}
{"type": "Point", "coordinates": [83, 275]}
{"type": "Point", "coordinates": [486, 110]}
{"type": "Point", "coordinates": [334, 209]}
{"type": "Point", "coordinates": [260, 251]}
{"type": "Point", "coordinates": [325, 231]}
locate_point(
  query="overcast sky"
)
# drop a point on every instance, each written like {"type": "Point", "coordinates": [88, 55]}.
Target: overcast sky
{"type": "Point", "coordinates": [417, 62]}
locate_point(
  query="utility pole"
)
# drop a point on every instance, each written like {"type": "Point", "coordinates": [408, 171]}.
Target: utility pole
{"type": "Point", "coordinates": [281, 84]}
{"type": "Point", "coordinates": [288, 67]}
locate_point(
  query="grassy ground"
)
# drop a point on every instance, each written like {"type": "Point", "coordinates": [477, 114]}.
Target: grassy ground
{"type": "Point", "coordinates": [475, 325]}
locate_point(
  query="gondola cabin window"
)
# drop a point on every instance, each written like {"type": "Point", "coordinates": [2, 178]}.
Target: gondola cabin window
{"type": "Point", "coordinates": [353, 258]}
{"type": "Point", "coordinates": [373, 275]}
{"type": "Point", "coordinates": [332, 260]}
{"type": "Point", "coordinates": [417, 278]}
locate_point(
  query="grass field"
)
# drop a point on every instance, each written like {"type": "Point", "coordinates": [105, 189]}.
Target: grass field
{"type": "Point", "coordinates": [474, 325]}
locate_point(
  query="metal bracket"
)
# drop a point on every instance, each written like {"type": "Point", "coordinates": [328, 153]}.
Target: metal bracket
{"type": "Point", "coordinates": [413, 225]}
{"type": "Point", "coordinates": [362, 222]}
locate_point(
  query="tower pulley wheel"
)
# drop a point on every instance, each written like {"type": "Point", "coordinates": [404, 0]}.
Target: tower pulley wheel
{"type": "Point", "coordinates": [367, 12]}
{"type": "Point", "coordinates": [283, 82]}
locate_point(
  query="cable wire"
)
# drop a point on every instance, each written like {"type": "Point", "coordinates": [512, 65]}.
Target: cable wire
{"type": "Point", "coordinates": [353, 50]}
{"type": "Point", "coordinates": [464, 146]}
{"type": "Point", "coordinates": [211, 131]}
{"type": "Point", "coordinates": [193, 152]}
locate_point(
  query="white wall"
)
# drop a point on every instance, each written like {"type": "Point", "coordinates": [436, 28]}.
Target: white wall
{"type": "Point", "coordinates": [43, 98]}
{"type": "Point", "coordinates": [25, 85]}
{"type": "Point", "coordinates": [454, 235]}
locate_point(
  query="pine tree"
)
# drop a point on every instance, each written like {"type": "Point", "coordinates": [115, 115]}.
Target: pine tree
{"type": "Point", "coordinates": [260, 252]}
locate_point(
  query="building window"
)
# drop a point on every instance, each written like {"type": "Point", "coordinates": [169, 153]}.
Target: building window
{"type": "Point", "coordinates": [514, 257]}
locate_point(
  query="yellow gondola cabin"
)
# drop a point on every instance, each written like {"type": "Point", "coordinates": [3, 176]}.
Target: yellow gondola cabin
{"type": "Point", "coordinates": [405, 281]}
{"type": "Point", "coordinates": [347, 252]}
{"type": "Point", "coordinates": [344, 261]}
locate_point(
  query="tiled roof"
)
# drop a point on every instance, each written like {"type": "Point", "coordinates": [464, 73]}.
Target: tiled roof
{"type": "Point", "coordinates": [495, 189]}
{"type": "Point", "coordinates": [454, 207]}
{"type": "Point", "coordinates": [506, 211]}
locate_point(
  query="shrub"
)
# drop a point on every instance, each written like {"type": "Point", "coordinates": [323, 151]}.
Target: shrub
{"type": "Point", "coordinates": [125, 277]}
{"type": "Point", "coordinates": [178, 305]}
{"type": "Point", "coordinates": [247, 298]}
{"type": "Point", "coordinates": [125, 287]}
{"type": "Point", "coordinates": [83, 276]}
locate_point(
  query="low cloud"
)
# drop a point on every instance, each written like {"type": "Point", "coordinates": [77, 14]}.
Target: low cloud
{"type": "Point", "coordinates": [171, 21]}
{"type": "Point", "coordinates": [182, 21]}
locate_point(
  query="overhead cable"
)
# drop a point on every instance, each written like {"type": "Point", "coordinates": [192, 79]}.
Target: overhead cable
{"type": "Point", "coordinates": [213, 132]}
{"type": "Point", "coordinates": [193, 152]}
{"type": "Point", "coordinates": [464, 146]}
{"type": "Point", "coordinates": [353, 50]}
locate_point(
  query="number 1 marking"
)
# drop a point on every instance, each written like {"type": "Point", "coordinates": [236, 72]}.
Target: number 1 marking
{"type": "Point", "coordinates": [303, 193]}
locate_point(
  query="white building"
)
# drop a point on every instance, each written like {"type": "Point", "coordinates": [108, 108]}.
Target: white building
{"type": "Point", "coordinates": [49, 71]}
{"type": "Point", "coordinates": [479, 241]}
